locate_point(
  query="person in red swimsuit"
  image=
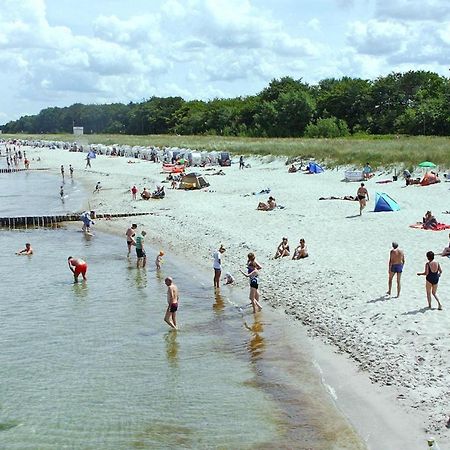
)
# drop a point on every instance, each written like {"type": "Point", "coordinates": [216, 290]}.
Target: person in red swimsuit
{"type": "Point", "coordinates": [78, 267]}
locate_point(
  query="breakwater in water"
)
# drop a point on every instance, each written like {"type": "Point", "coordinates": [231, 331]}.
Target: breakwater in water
{"type": "Point", "coordinates": [26, 222]}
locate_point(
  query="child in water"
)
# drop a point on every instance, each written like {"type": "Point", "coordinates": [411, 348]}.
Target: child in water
{"type": "Point", "coordinates": [228, 278]}
{"type": "Point", "coordinates": [158, 260]}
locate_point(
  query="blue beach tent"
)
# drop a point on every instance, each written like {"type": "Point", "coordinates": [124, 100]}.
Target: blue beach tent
{"type": "Point", "coordinates": [314, 168]}
{"type": "Point", "coordinates": [385, 203]}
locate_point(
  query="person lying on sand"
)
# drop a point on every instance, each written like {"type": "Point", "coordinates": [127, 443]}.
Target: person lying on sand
{"type": "Point", "coordinates": [409, 181]}
{"type": "Point", "coordinates": [446, 251]}
{"type": "Point", "coordinates": [271, 204]}
{"type": "Point", "coordinates": [301, 251]}
{"type": "Point", "coordinates": [282, 249]}
{"type": "Point", "coordinates": [345, 197]}
{"type": "Point", "coordinates": [429, 221]}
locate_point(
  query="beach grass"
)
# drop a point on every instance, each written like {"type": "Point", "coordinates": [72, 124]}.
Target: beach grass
{"type": "Point", "coordinates": [379, 151]}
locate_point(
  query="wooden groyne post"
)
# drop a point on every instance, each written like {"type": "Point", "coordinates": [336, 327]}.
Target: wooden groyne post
{"type": "Point", "coordinates": [12, 223]}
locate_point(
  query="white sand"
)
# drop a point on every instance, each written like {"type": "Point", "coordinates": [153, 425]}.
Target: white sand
{"type": "Point", "coordinates": [338, 292]}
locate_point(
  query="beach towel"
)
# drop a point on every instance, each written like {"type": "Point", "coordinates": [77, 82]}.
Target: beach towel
{"type": "Point", "coordinates": [438, 227]}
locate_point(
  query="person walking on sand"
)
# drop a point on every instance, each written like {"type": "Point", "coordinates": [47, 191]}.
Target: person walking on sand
{"type": "Point", "coordinates": [62, 172]}
{"type": "Point", "coordinates": [71, 170]}
{"type": "Point", "coordinates": [26, 251]}
{"type": "Point", "coordinates": [363, 196]}
{"type": "Point", "coordinates": [61, 192]}
{"type": "Point", "coordinates": [432, 274]}
{"type": "Point", "coordinates": [77, 267]}
{"type": "Point", "coordinates": [140, 251]}
{"type": "Point", "coordinates": [134, 191]}
{"type": "Point", "coordinates": [241, 163]}
{"type": "Point", "coordinates": [130, 233]}
{"type": "Point", "coordinates": [172, 303]}
{"type": "Point", "coordinates": [217, 265]}
{"type": "Point", "coordinates": [395, 267]}
{"type": "Point", "coordinates": [88, 161]}
{"type": "Point", "coordinates": [252, 273]}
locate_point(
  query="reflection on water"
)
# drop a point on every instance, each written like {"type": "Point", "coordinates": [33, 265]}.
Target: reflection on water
{"type": "Point", "coordinates": [256, 344]}
{"type": "Point", "coordinates": [141, 279]}
{"type": "Point", "coordinates": [80, 290]}
{"type": "Point", "coordinates": [219, 304]}
{"type": "Point", "coordinates": [172, 347]}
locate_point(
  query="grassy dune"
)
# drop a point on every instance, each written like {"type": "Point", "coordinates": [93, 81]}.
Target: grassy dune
{"type": "Point", "coordinates": [380, 151]}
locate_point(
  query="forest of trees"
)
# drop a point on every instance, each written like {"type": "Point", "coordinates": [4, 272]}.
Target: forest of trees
{"type": "Point", "coordinates": [413, 103]}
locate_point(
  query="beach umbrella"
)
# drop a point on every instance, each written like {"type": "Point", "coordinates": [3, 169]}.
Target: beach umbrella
{"type": "Point", "coordinates": [427, 164]}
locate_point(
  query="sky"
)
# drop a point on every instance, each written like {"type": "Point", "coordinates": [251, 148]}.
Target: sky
{"type": "Point", "coordinates": [60, 52]}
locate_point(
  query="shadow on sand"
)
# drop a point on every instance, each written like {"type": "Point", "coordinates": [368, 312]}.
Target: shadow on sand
{"type": "Point", "coordinates": [383, 298]}
{"type": "Point", "coordinates": [416, 311]}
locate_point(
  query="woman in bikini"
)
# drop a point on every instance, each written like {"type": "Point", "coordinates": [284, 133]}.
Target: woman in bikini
{"type": "Point", "coordinates": [252, 273]}
{"type": "Point", "coordinates": [432, 273]}
{"type": "Point", "coordinates": [282, 249]}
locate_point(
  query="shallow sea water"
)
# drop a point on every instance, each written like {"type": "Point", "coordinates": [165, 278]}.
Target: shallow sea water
{"type": "Point", "coordinates": [93, 366]}
{"type": "Point", "coordinates": [31, 193]}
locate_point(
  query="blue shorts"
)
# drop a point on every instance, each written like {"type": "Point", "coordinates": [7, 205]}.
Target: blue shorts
{"type": "Point", "coordinates": [397, 268]}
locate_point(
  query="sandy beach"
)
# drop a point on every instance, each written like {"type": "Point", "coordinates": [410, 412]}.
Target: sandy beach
{"type": "Point", "coordinates": [396, 345]}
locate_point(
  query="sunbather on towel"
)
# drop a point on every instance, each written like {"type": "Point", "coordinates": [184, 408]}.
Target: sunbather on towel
{"type": "Point", "coordinates": [429, 221]}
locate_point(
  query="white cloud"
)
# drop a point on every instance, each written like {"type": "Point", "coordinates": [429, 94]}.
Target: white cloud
{"type": "Point", "coordinates": [436, 10]}
{"type": "Point", "coordinates": [377, 37]}
{"type": "Point", "coordinates": [206, 48]}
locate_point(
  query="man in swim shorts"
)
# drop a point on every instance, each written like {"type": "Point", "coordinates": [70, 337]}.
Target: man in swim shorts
{"type": "Point", "coordinates": [140, 252]}
{"type": "Point", "coordinates": [172, 303]}
{"type": "Point", "coordinates": [396, 263]}
{"type": "Point", "coordinates": [77, 266]}
{"type": "Point", "coordinates": [130, 233]}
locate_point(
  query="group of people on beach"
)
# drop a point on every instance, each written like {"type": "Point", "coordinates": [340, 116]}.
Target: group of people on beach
{"type": "Point", "coordinates": [283, 249]}
{"type": "Point", "coordinates": [432, 272]}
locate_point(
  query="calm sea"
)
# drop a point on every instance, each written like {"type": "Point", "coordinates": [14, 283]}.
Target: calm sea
{"type": "Point", "coordinates": [93, 366]}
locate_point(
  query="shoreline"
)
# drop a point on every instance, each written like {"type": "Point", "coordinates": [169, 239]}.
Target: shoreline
{"type": "Point", "coordinates": [349, 334]}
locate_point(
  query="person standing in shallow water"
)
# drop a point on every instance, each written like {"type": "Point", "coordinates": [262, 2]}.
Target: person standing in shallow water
{"type": "Point", "coordinates": [362, 196]}
{"type": "Point", "coordinates": [395, 267]}
{"type": "Point", "coordinates": [130, 233]}
{"type": "Point", "coordinates": [432, 274]}
{"type": "Point", "coordinates": [253, 268]}
{"type": "Point", "coordinates": [172, 303]}
{"type": "Point", "coordinates": [78, 267]}
{"type": "Point", "coordinates": [217, 265]}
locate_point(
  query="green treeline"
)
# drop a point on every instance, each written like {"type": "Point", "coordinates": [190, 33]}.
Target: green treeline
{"type": "Point", "coordinates": [414, 103]}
